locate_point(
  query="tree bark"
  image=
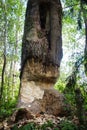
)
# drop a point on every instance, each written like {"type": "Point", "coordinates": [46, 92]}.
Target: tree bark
{"type": "Point", "coordinates": [85, 51]}
{"type": "Point", "coordinates": [85, 22]}
{"type": "Point", "coordinates": [41, 55]}
{"type": "Point", "coordinates": [2, 77]}
{"type": "Point", "coordinates": [4, 54]}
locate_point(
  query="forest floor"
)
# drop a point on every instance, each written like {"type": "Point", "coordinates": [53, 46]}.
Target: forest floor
{"type": "Point", "coordinates": [40, 122]}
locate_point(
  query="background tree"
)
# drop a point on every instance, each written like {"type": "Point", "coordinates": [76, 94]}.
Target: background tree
{"type": "Point", "coordinates": [11, 15]}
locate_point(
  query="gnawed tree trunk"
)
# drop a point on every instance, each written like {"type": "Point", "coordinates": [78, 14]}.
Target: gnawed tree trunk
{"type": "Point", "coordinates": [41, 57]}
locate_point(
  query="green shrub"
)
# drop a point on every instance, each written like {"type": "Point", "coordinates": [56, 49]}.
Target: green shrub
{"type": "Point", "coordinates": [30, 126]}
{"type": "Point", "coordinates": [33, 126]}
{"type": "Point", "coordinates": [60, 85]}
{"type": "Point", "coordinates": [66, 125]}
{"type": "Point", "coordinates": [46, 125]}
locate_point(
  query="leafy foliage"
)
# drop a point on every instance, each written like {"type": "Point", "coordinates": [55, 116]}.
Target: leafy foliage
{"type": "Point", "coordinates": [64, 125]}
{"type": "Point", "coordinates": [11, 27]}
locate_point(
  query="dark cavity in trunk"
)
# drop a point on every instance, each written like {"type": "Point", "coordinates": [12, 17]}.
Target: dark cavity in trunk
{"type": "Point", "coordinates": [44, 10]}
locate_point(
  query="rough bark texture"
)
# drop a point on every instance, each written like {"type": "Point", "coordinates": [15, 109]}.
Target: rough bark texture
{"type": "Point", "coordinates": [2, 78]}
{"type": "Point", "coordinates": [85, 55]}
{"type": "Point", "coordinates": [41, 57]}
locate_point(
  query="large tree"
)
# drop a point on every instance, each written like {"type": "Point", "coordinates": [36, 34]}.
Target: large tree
{"type": "Point", "coordinates": [41, 56]}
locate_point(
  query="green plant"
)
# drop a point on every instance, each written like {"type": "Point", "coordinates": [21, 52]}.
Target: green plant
{"type": "Point", "coordinates": [30, 126]}
{"type": "Point", "coordinates": [46, 125]}
{"type": "Point", "coordinates": [33, 126]}
{"type": "Point", "coordinates": [5, 112]}
{"type": "Point", "coordinates": [66, 125]}
{"type": "Point", "coordinates": [60, 85]}
{"type": "Point", "coordinates": [56, 128]}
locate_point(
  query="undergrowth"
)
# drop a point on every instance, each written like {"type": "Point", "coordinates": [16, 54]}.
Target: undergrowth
{"type": "Point", "coordinates": [64, 125]}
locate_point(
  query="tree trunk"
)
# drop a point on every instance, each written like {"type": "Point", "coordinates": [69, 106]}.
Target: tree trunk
{"type": "Point", "coordinates": [84, 10]}
{"type": "Point", "coordinates": [79, 105]}
{"type": "Point", "coordinates": [4, 55]}
{"type": "Point", "coordinates": [85, 63]}
{"type": "Point", "coordinates": [2, 78]}
{"type": "Point", "coordinates": [41, 56]}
